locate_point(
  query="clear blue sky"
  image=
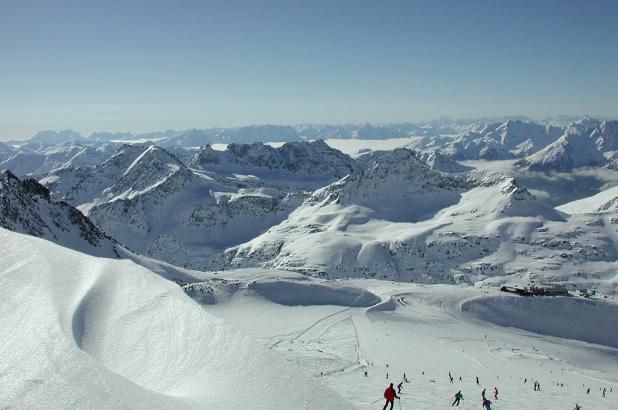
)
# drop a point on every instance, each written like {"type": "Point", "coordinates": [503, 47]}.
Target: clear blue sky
{"type": "Point", "coordinates": [147, 65]}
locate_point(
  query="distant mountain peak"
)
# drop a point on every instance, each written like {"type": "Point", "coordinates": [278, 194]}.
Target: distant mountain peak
{"type": "Point", "coordinates": [311, 158]}
{"type": "Point", "coordinates": [55, 137]}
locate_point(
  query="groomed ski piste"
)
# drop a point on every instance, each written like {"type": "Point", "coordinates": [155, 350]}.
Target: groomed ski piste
{"type": "Point", "coordinates": [87, 332]}
{"type": "Point", "coordinates": [337, 330]}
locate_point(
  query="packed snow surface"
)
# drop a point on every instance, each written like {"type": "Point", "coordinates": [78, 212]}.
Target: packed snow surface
{"type": "Point", "coordinates": [80, 332]}
{"type": "Point", "coordinates": [508, 342]}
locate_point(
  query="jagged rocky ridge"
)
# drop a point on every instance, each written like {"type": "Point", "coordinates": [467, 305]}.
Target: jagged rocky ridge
{"type": "Point", "coordinates": [310, 162]}
{"type": "Point", "coordinates": [156, 205]}
{"type": "Point", "coordinates": [251, 205]}
{"type": "Point", "coordinates": [454, 139]}
{"type": "Point", "coordinates": [26, 207]}
{"type": "Point", "coordinates": [511, 139]}
{"type": "Point", "coordinates": [587, 143]}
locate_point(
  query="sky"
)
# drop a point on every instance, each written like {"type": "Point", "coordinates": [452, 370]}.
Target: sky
{"type": "Point", "coordinates": [151, 65]}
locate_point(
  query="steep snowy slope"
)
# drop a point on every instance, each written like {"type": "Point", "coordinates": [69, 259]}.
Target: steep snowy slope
{"type": "Point", "coordinates": [148, 199]}
{"type": "Point", "coordinates": [467, 145]}
{"type": "Point", "coordinates": [151, 202]}
{"type": "Point", "coordinates": [603, 202]}
{"type": "Point", "coordinates": [26, 207]}
{"type": "Point", "coordinates": [510, 139]}
{"type": "Point", "coordinates": [400, 220]}
{"type": "Point", "coordinates": [420, 191]}
{"type": "Point", "coordinates": [574, 149]}
{"type": "Point", "coordinates": [40, 159]}
{"type": "Point", "coordinates": [523, 138]}
{"type": "Point", "coordinates": [605, 136]}
{"type": "Point", "coordinates": [6, 151]}
{"type": "Point", "coordinates": [82, 332]}
{"type": "Point", "coordinates": [87, 186]}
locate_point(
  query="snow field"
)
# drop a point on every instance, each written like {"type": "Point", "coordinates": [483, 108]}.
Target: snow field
{"type": "Point", "coordinates": [425, 333]}
{"type": "Point", "coordinates": [85, 332]}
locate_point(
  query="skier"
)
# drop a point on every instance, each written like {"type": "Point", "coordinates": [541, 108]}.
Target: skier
{"type": "Point", "coordinates": [390, 395]}
{"type": "Point", "coordinates": [483, 394]}
{"type": "Point", "coordinates": [477, 380]}
{"type": "Point", "coordinates": [450, 377]}
{"type": "Point", "coordinates": [604, 391]}
{"type": "Point", "coordinates": [577, 407]}
{"type": "Point", "coordinates": [399, 388]}
{"type": "Point", "coordinates": [458, 397]}
{"type": "Point", "coordinates": [588, 391]}
{"type": "Point", "coordinates": [495, 393]}
{"type": "Point", "coordinates": [365, 373]}
{"type": "Point", "coordinates": [487, 404]}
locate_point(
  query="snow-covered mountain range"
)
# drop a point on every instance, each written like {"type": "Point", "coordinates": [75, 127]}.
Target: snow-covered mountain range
{"type": "Point", "coordinates": [586, 143]}
{"type": "Point", "coordinates": [338, 248]}
{"type": "Point", "coordinates": [412, 215]}
{"type": "Point", "coordinates": [510, 139]}
{"type": "Point", "coordinates": [485, 138]}
{"type": "Point", "coordinates": [399, 219]}
{"type": "Point", "coordinates": [155, 204]}
{"type": "Point", "coordinates": [288, 133]}
{"type": "Point", "coordinates": [39, 159]}
{"type": "Point", "coordinates": [304, 162]}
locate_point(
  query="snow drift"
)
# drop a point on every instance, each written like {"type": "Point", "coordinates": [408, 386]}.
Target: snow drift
{"type": "Point", "coordinates": [569, 318]}
{"type": "Point", "coordinates": [291, 293]}
{"type": "Point", "coordinates": [86, 332]}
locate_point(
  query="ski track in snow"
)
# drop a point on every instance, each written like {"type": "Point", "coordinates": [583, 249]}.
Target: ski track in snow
{"type": "Point", "coordinates": [427, 332]}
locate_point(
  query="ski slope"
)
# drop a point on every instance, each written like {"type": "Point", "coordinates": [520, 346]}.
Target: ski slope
{"type": "Point", "coordinates": [80, 332]}
{"type": "Point", "coordinates": [427, 331]}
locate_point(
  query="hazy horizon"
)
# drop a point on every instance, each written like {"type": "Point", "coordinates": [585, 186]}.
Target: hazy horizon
{"type": "Point", "coordinates": [361, 123]}
{"type": "Point", "coordinates": [144, 66]}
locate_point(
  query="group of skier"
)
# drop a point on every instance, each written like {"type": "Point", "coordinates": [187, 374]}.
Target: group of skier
{"type": "Point", "coordinates": [390, 394]}
{"type": "Point", "coordinates": [485, 401]}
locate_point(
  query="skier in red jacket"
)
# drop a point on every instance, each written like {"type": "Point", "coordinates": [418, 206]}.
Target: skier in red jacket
{"type": "Point", "coordinates": [390, 395]}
